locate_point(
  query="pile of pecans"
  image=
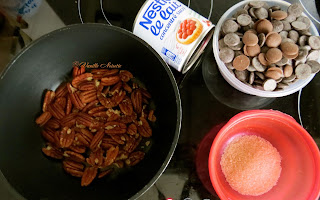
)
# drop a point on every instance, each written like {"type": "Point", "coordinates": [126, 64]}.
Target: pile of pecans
{"type": "Point", "coordinates": [268, 48]}
{"type": "Point", "coordinates": [95, 123]}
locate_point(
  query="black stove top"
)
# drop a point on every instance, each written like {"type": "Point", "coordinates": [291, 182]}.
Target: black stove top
{"type": "Point", "coordinates": [208, 101]}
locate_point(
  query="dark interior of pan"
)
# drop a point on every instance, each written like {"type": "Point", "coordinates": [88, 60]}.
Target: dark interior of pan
{"type": "Point", "coordinates": [44, 65]}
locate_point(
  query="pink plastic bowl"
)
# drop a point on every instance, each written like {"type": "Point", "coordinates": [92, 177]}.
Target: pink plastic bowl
{"type": "Point", "coordinates": [300, 175]}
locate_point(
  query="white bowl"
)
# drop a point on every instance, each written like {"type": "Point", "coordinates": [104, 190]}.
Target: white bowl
{"type": "Point", "coordinates": [231, 79]}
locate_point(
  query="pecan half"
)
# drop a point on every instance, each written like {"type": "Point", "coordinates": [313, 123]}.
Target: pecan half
{"type": "Point", "coordinates": [62, 90]}
{"type": "Point", "coordinates": [128, 119]}
{"type": "Point", "coordinates": [66, 137]}
{"type": "Point", "coordinates": [69, 120]}
{"type": "Point", "coordinates": [136, 98]}
{"type": "Point", "coordinates": [43, 118]}
{"type": "Point", "coordinates": [107, 143]}
{"type": "Point", "coordinates": [69, 105]}
{"type": "Point", "coordinates": [144, 128]}
{"type": "Point", "coordinates": [75, 71]}
{"type": "Point", "coordinates": [96, 140]}
{"type": "Point", "coordinates": [115, 88]}
{"type": "Point", "coordinates": [53, 124]}
{"type": "Point", "coordinates": [132, 129]}
{"type": "Point", "coordinates": [48, 134]}
{"type": "Point", "coordinates": [126, 87]}
{"type": "Point", "coordinates": [88, 96]}
{"type": "Point", "coordinates": [110, 80]}
{"type": "Point", "coordinates": [97, 110]}
{"type": "Point", "coordinates": [73, 168]}
{"type": "Point", "coordinates": [89, 85]}
{"type": "Point", "coordinates": [90, 105]}
{"type": "Point", "coordinates": [131, 143]}
{"type": "Point", "coordinates": [126, 106]}
{"type": "Point", "coordinates": [48, 98]}
{"type": "Point", "coordinates": [115, 128]}
{"type": "Point", "coordinates": [84, 136]}
{"type": "Point", "coordinates": [56, 111]}
{"type": "Point", "coordinates": [78, 70]}
{"type": "Point", "coordinates": [99, 73]}
{"type": "Point", "coordinates": [118, 97]}
{"type": "Point", "coordinates": [77, 148]}
{"type": "Point", "coordinates": [122, 155]}
{"type": "Point", "coordinates": [145, 93]}
{"type": "Point", "coordinates": [74, 96]}
{"type": "Point", "coordinates": [125, 75]}
{"type": "Point", "coordinates": [88, 175]}
{"type": "Point", "coordinates": [151, 116]}
{"type": "Point", "coordinates": [104, 173]}
{"type": "Point", "coordinates": [119, 138]}
{"type": "Point", "coordinates": [74, 156]}
{"type": "Point", "coordinates": [106, 90]}
{"type": "Point", "coordinates": [135, 158]}
{"type": "Point", "coordinates": [113, 115]}
{"type": "Point", "coordinates": [62, 101]}
{"type": "Point", "coordinates": [88, 121]}
{"type": "Point", "coordinates": [52, 152]}
{"type": "Point", "coordinates": [96, 158]}
{"type": "Point", "coordinates": [80, 79]}
{"type": "Point", "coordinates": [112, 154]}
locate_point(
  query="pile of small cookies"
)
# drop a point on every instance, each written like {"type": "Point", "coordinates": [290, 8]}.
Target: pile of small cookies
{"type": "Point", "coordinates": [268, 48]}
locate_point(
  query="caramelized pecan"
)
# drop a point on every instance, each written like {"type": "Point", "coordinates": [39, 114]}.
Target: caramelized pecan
{"type": "Point", "coordinates": [115, 128]}
{"type": "Point", "coordinates": [96, 158]}
{"type": "Point", "coordinates": [104, 173]}
{"type": "Point", "coordinates": [74, 96]}
{"type": "Point", "coordinates": [74, 156]}
{"type": "Point", "coordinates": [73, 168]}
{"type": "Point", "coordinates": [52, 152]}
{"type": "Point", "coordinates": [126, 106]}
{"type": "Point", "coordinates": [80, 79]}
{"type": "Point", "coordinates": [113, 115]}
{"type": "Point", "coordinates": [88, 96]}
{"type": "Point", "coordinates": [62, 90]}
{"type": "Point", "coordinates": [136, 98]}
{"type": "Point", "coordinates": [88, 85]}
{"type": "Point", "coordinates": [43, 118]}
{"type": "Point", "coordinates": [125, 75]}
{"type": "Point", "coordinates": [135, 158]}
{"type": "Point", "coordinates": [53, 124]}
{"type": "Point", "coordinates": [151, 116]}
{"type": "Point", "coordinates": [66, 137]}
{"type": "Point", "coordinates": [48, 98]}
{"type": "Point", "coordinates": [88, 175]}
{"type": "Point", "coordinates": [96, 140]}
{"type": "Point", "coordinates": [112, 154]}
{"type": "Point", "coordinates": [110, 80]}
{"type": "Point", "coordinates": [132, 129]}
{"type": "Point", "coordinates": [144, 128]}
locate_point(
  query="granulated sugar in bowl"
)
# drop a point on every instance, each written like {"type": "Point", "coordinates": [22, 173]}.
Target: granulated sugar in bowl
{"type": "Point", "coordinates": [263, 155]}
{"type": "Point", "coordinates": [251, 165]}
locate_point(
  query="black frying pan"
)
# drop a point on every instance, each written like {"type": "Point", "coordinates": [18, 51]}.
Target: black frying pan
{"type": "Point", "coordinates": [44, 65]}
